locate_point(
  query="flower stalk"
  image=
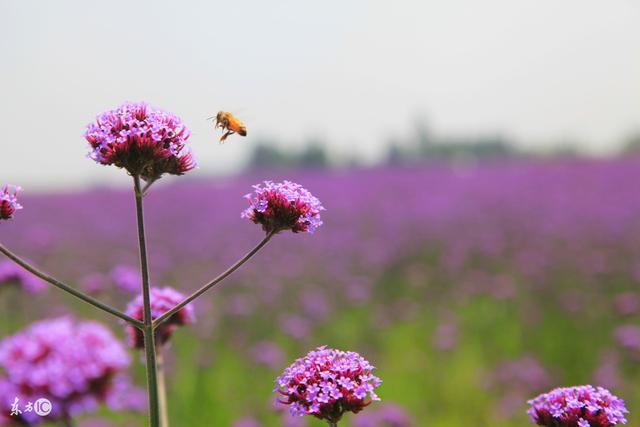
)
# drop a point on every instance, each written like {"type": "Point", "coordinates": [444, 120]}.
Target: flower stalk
{"type": "Point", "coordinates": [162, 389]}
{"type": "Point", "coordinates": [147, 330]}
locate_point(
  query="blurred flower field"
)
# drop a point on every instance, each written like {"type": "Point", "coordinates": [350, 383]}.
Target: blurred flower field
{"type": "Point", "coordinates": [471, 288]}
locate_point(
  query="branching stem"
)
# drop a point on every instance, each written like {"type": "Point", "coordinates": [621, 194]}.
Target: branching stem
{"type": "Point", "coordinates": [213, 282]}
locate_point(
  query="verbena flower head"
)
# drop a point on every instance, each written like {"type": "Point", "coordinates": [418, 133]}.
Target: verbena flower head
{"type": "Point", "coordinates": [326, 383]}
{"type": "Point", "coordinates": [73, 364]}
{"type": "Point", "coordinates": [141, 139]}
{"type": "Point", "coordinates": [283, 206]}
{"type": "Point", "coordinates": [9, 201]}
{"type": "Point", "coordinates": [13, 274]}
{"type": "Point", "coordinates": [162, 300]}
{"type": "Point", "coordinates": [579, 406]}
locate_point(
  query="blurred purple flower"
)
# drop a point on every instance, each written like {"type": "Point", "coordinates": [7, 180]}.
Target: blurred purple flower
{"type": "Point", "coordinates": [628, 336]}
{"type": "Point", "coordinates": [579, 406]}
{"type": "Point", "coordinates": [627, 303]}
{"type": "Point", "coordinates": [358, 289]}
{"type": "Point", "coordinates": [141, 139]}
{"type": "Point", "coordinates": [72, 364]}
{"type": "Point", "coordinates": [607, 373]}
{"type": "Point", "coordinates": [289, 421]}
{"type": "Point", "coordinates": [162, 300]}
{"type": "Point", "coordinates": [267, 353]}
{"type": "Point", "coordinates": [247, 422]}
{"type": "Point", "coordinates": [514, 380]}
{"type": "Point", "coordinates": [93, 283]}
{"type": "Point", "coordinates": [295, 326]}
{"type": "Point", "coordinates": [11, 273]}
{"type": "Point", "coordinates": [445, 337]}
{"type": "Point", "coordinates": [314, 303]}
{"type": "Point", "coordinates": [95, 423]}
{"type": "Point", "coordinates": [387, 415]}
{"type": "Point", "coordinates": [127, 278]}
{"type": "Point", "coordinates": [326, 383]}
{"type": "Point", "coordinates": [9, 201]}
{"type": "Point", "coordinates": [126, 396]}
{"type": "Point", "coordinates": [283, 206]}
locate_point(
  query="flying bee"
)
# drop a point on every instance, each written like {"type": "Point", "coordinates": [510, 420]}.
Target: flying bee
{"type": "Point", "coordinates": [229, 123]}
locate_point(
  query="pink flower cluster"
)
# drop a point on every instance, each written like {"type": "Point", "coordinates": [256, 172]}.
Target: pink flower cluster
{"type": "Point", "coordinates": [13, 274]}
{"type": "Point", "coordinates": [9, 202]}
{"type": "Point", "coordinates": [326, 383]}
{"type": "Point", "coordinates": [283, 206]}
{"type": "Point", "coordinates": [162, 300]}
{"type": "Point", "coordinates": [74, 365]}
{"type": "Point", "coordinates": [579, 406]}
{"type": "Point", "coordinates": [141, 139]}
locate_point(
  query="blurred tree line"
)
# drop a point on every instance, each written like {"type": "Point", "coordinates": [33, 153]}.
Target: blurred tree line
{"type": "Point", "coordinates": [425, 145]}
{"type": "Point", "coordinates": [420, 146]}
{"type": "Point", "coordinates": [268, 155]}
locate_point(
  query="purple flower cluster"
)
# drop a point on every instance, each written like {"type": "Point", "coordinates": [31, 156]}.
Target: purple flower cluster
{"type": "Point", "coordinates": [579, 406]}
{"type": "Point", "coordinates": [74, 365]}
{"type": "Point", "coordinates": [162, 300]}
{"type": "Point", "coordinates": [11, 273]}
{"type": "Point", "coordinates": [9, 202]}
{"type": "Point", "coordinates": [326, 383]}
{"type": "Point", "coordinates": [283, 206]}
{"type": "Point", "coordinates": [141, 139]}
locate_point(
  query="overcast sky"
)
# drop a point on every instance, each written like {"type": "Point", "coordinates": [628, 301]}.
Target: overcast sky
{"type": "Point", "coordinates": [351, 73]}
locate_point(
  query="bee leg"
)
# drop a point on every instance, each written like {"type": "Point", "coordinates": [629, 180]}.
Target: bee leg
{"type": "Point", "coordinates": [226, 135]}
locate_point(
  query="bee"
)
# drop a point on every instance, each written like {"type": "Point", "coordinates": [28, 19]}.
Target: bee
{"type": "Point", "coordinates": [227, 121]}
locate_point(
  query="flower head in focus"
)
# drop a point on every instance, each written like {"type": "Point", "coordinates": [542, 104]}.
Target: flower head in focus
{"type": "Point", "coordinates": [73, 364]}
{"type": "Point", "coordinates": [162, 300]}
{"type": "Point", "coordinates": [9, 201]}
{"type": "Point", "coordinates": [11, 273]}
{"type": "Point", "coordinates": [579, 406]}
{"type": "Point", "coordinates": [283, 206]}
{"type": "Point", "coordinates": [326, 383]}
{"type": "Point", "coordinates": [141, 139]}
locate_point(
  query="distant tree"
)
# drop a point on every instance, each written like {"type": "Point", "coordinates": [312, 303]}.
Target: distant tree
{"type": "Point", "coordinates": [632, 143]}
{"type": "Point", "coordinates": [313, 156]}
{"type": "Point", "coordinates": [265, 155]}
{"type": "Point", "coordinates": [268, 155]}
{"type": "Point", "coordinates": [395, 154]}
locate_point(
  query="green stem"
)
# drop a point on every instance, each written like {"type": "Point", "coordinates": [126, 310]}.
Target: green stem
{"type": "Point", "coordinates": [162, 390]}
{"type": "Point", "coordinates": [58, 284]}
{"type": "Point", "coordinates": [147, 330]}
{"type": "Point", "coordinates": [214, 282]}
{"type": "Point", "coordinates": [67, 421]}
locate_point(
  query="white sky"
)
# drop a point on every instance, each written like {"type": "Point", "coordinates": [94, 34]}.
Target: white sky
{"type": "Point", "coordinates": [352, 73]}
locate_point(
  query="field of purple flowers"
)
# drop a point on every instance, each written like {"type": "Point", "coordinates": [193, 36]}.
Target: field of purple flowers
{"type": "Point", "coordinates": [471, 288]}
